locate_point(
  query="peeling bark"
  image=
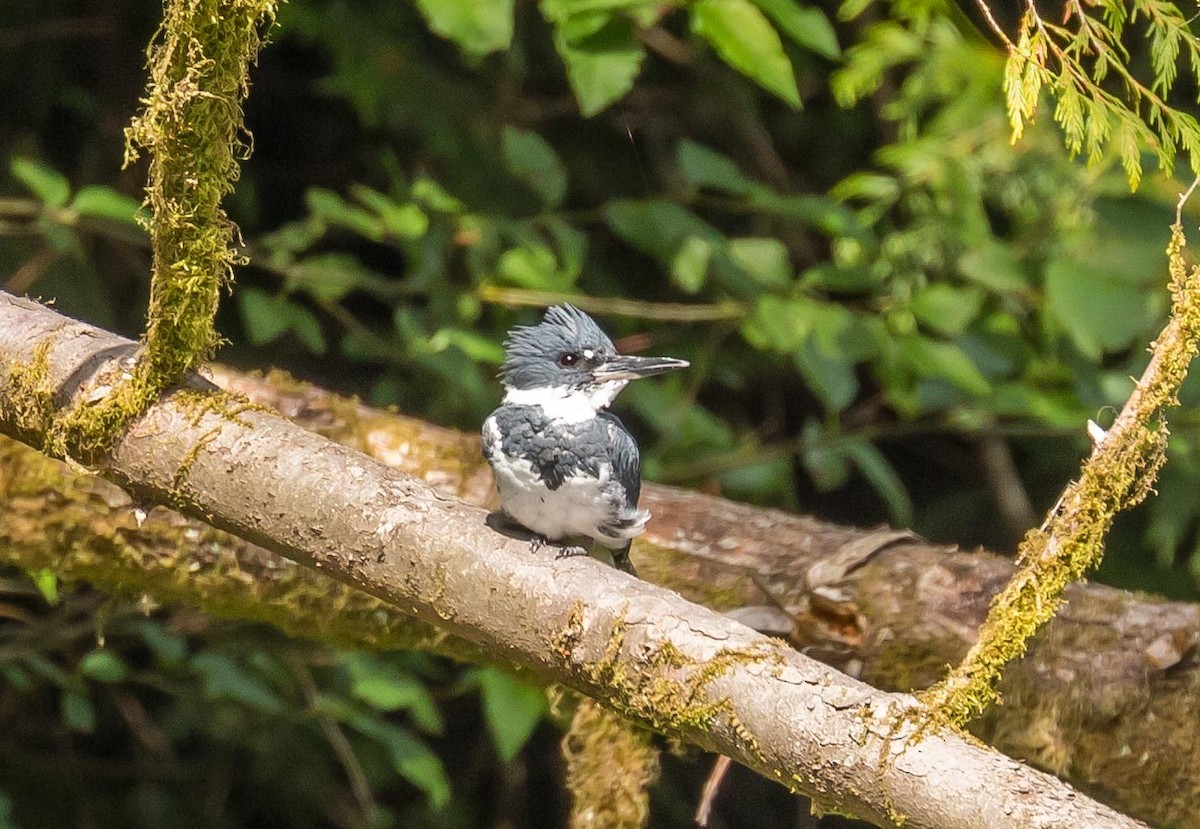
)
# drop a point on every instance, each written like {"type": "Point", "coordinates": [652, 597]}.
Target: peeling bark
{"type": "Point", "coordinates": [646, 652]}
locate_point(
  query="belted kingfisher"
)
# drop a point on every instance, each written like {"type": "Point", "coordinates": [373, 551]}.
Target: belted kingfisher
{"type": "Point", "coordinates": [565, 468]}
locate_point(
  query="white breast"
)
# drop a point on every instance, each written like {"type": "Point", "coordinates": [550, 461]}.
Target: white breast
{"type": "Point", "coordinates": [579, 506]}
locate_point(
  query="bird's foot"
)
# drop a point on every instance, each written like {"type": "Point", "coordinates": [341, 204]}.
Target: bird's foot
{"type": "Point", "coordinates": [537, 542]}
{"type": "Point", "coordinates": [570, 551]}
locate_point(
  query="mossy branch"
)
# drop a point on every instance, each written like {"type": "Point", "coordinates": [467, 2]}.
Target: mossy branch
{"type": "Point", "coordinates": [1119, 473]}
{"type": "Point", "coordinates": [191, 125]}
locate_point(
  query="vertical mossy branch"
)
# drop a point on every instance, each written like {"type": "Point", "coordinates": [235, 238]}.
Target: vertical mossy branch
{"type": "Point", "coordinates": [611, 765]}
{"type": "Point", "coordinates": [191, 125]}
{"type": "Point", "coordinates": [1119, 473]}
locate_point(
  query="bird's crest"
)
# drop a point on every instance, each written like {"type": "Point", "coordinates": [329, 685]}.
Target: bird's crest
{"type": "Point", "coordinates": [563, 328]}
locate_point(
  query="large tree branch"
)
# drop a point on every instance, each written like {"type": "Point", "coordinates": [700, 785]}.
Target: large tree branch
{"type": "Point", "coordinates": [1110, 682]}
{"type": "Point", "coordinates": [647, 652]}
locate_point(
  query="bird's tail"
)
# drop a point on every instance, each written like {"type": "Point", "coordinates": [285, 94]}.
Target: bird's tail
{"type": "Point", "coordinates": [622, 561]}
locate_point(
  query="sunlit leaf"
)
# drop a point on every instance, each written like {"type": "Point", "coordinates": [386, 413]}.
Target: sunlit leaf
{"type": "Point", "coordinates": [50, 186]}
{"type": "Point", "coordinates": [689, 266]}
{"type": "Point", "coordinates": [512, 709]}
{"type": "Point", "coordinates": [745, 39]}
{"type": "Point", "coordinates": [765, 260]}
{"type": "Point", "coordinates": [807, 25]}
{"type": "Point", "coordinates": [602, 61]}
{"type": "Point", "coordinates": [106, 203]}
{"type": "Point", "coordinates": [478, 26]}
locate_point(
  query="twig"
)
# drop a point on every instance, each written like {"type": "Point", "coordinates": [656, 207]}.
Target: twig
{"type": "Point", "coordinates": [711, 787]}
{"type": "Point", "coordinates": [638, 309]}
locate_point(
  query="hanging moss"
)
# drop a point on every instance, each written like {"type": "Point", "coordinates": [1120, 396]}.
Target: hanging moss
{"type": "Point", "coordinates": [611, 765]}
{"type": "Point", "coordinates": [1118, 475]}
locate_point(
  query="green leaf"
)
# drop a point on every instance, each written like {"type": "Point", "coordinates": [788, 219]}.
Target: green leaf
{"type": "Point", "coordinates": [530, 266]}
{"type": "Point", "coordinates": [806, 25]}
{"type": "Point", "coordinates": [435, 197]}
{"type": "Point", "coordinates": [929, 358]}
{"type": "Point", "coordinates": [703, 167]}
{"type": "Point", "coordinates": [512, 709]}
{"type": "Point", "coordinates": [103, 666]}
{"type": "Point", "coordinates": [379, 684]}
{"type": "Point", "coordinates": [225, 679]}
{"type": "Point", "coordinates": [947, 309]}
{"type": "Point", "coordinates": [46, 581]}
{"type": "Point", "coordinates": [530, 158]}
{"type": "Point", "coordinates": [477, 26]}
{"type": "Point", "coordinates": [602, 59]}
{"type": "Point", "coordinates": [656, 227]}
{"type": "Point", "coordinates": [403, 220]}
{"type": "Point", "coordinates": [307, 329]}
{"type": "Point", "coordinates": [410, 757]}
{"type": "Point", "coordinates": [169, 649]}
{"type": "Point", "coordinates": [106, 203]}
{"type": "Point", "coordinates": [832, 379]}
{"type": "Point", "coordinates": [882, 477]}
{"type": "Point", "coordinates": [1098, 314]}
{"type": "Point", "coordinates": [478, 347]}
{"type": "Point", "coordinates": [778, 324]}
{"type": "Point", "coordinates": [689, 266]}
{"type": "Point", "coordinates": [265, 317]}
{"type": "Point", "coordinates": [327, 276]}
{"type": "Point", "coordinates": [49, 185]}
{"type": "Point", "coordinates": [328, 205]}
{"type": "Point", "coordinates": [745, 39]}
{"type": "Point", "coordinates": [78, 712]}
{"type": "Point", "coordinates": [994, 266]}
{"type": "Point", "coordinates": [764, 260]}
{"type": "Point", "coordinates": [825, 464]}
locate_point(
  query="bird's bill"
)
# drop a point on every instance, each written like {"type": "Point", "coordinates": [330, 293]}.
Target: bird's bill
{"type": "Point", "coordinates": [632, 368]}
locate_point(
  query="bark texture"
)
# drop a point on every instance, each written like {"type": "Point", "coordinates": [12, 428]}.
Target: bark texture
{"type": "Point", "coordinates": [648, 653]}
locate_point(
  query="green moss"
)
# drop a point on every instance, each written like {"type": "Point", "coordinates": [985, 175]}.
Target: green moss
{"type": "Point", "coordinates": [1119, 474]}
{"type": "Point", "coordinates": [28, 398]}
{"type": "Point", "coordinates": [611, 765]}
{"type": "Point", "coordinates": [191, 125]}
{"type": "Point", "coordinates": [668, 691]}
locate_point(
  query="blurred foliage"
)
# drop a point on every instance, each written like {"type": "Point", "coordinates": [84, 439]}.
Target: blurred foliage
{"type": "Point", "coordinates": [819, 207]}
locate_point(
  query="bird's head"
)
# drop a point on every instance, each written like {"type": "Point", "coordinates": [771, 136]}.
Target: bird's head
{"type": "Point", "coordinates": [566, 358]}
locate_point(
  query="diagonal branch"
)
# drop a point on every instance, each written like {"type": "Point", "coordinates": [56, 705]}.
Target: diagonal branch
{"type": "Point", "coordinates": [644, 651]}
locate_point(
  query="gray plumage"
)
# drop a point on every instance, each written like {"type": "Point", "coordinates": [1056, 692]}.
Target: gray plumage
{"type": "Point", "coordinates": [565, 468]}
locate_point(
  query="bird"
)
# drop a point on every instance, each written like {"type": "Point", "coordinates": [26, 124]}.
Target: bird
{"type": "Point", "coordinates": [566, 468]}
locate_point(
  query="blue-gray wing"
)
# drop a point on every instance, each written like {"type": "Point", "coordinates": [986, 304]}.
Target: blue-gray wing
{"type": "Point", "coordinates": [625, 458]}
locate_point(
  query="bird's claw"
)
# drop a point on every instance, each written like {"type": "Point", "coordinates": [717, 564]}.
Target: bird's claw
{"type": "Point", "coordinates": [537, 542]}
{"type": "Point", "coordinates": [570, 552]}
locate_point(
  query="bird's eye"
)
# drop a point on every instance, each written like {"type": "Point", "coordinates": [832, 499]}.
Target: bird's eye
{"type": "Point", "coordinates": [569, 359]}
